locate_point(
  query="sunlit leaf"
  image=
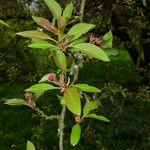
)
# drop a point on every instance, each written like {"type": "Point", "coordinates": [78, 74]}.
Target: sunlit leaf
{"type": "Point", "coordinates": [34, 34]}
{"type": "Point", "coordinates": [108, 39]}
{"type": "Point", "coordinates": [72, 100]}
{"type": "Point", "coordinates": [60, 59]}
{"type": "Point", "coordinates": [99, 117]}
{"type": "Point", "coordinates": [77, 41]}
{"type": "Point", "coordinates": [54, 7]}
{"type": "Point", "coordinates": [75, 135]}
{"type": "Point", "coordinates": [92, 50]}
{"type": "Point", "coordinates": [44, 78]}
{"type": "Point", "coordinates": [40, 88]}
{"type": "Point", "coordinates": [4, 23]}
{"type": "Point", "coordinates": [90, 105]}
{"type": "Point", "coordinates": [42, 45]}
{"type": "Point", "coordinates": [15, 101]}
{"type": "Point", "coordinates": [79, 29]}
{"type": "Point", "coordinates": [30, 146]}
{"type": "Point", "coordinates": [67, 13]}
{"type": "Point", "coordinates": [86, 88]}
{"type": "Point", "coordinates": [44, 23]}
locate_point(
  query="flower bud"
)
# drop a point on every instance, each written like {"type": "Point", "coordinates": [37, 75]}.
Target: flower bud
{"type": "Point", "coordinates": [76, 67]}
{"type": "Point", "coordinates": [28, 96]}
{"type": "Point", "coordinates": [31, 104]}
{"type": "Point", "coordinates": [78, 119]}
{"type": "Point", "coordinates": [51, 77]}
{"type": "Point", "coordinates": [61, 78]}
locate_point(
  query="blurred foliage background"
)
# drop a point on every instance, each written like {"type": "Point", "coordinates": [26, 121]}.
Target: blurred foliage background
{"type": "Point", "coordinates": [124, 81]}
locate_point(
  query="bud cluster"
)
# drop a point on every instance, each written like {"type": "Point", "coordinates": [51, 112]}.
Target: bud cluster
{"type": "Point", "coordinates": [78, 119]}
{"type": "Point", "coordinates": [60, 82]}
{"type": "Point", "coordinates": [30, 103]}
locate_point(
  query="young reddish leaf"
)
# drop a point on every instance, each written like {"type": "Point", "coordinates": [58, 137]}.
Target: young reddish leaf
{"type": "Point", "coordinates": [54, 7]}
{"type": "Point", "coordinates": [75, 135]}
{"type": "Point", "coordinates": [60, 59]}
{"type": "Point", "coordinates": [67, 13]}
{"type": "Point", "coordinates": [33, 34]}
{"type": "Point", "coordinates": [89, 106]}
{"type": "Point", "coordinates": [99, 117]}
{"type": "Point", "coordinates": [15, 101]}
{"type": "Point", "coordinates": [87, 88]}
{"type": "Point", "coordinates": [42, 45]}
{"type": "Point", "coordinates": [92, 50]}
{"type": "Point", "coordinates": [79, 29]}
{"type": "Point", "coordinates": [72, 100]}
{"type": "Point", "coordinates": [61, 22]}
{"type": "Point", "coordinates": [30, 146]}
{"type": "Point", "coordinates": [44, 23]}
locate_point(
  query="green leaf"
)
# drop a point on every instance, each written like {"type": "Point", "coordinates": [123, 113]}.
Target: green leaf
{"type": "Point", "coordinates": [111, 52]}
{"type": "Point", "coordinates": [44, 78]}
{"type": "Point", "coordinates": [75, 135]}
{"type": "Point", "coordinates": [108, 39]}
{"type": "Point", "coordinates": [33, 34]}
{"type": "Point", "coordinates": [93, 50]}
{"type": "Point", "coordinates": [61, 98]}
{"type": "Point", "coordinates": [15, 101]}
{"type": "Point", "coordinates": [40, 88]}
{"type": "Point", "coordinates": [44, 23]}
{"type": "Point", "coordinates": [89, 106]}
{"type": "Point", "coordinates": [67, 13]}
{"type": "Point", "coordinates": [60, 60]}
{"type": "Point", "coordinates": [144, 2]}
{"type": "Point", "coordinates": [77, 41]}
{"type": "Point", "coordinates": [54, 7]}
{"type": "Point", "coordinates": [87, 88]}
{"type": "Point", "coordinates": [61, 22]}
{"type": "Point", "coordinates": [54, 21]}
{"type": "Point", "coordinates": [79, 29]}
{"type": "Point", "coordinates": [42, 45]}
{"type": "Point", "coordinates": [4, 23]}
{"type": "Point", "coordinates": [30, 146]}
{"type": "Point", "coordinates": [99, 117]}
{"type": "Point", "coordinates": [72, 100]}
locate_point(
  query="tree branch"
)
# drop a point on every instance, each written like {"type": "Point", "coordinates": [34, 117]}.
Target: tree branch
{"type": "Point", "coordinates": [61, 127]}
{"type": "Point", "coordinates": [43, 115]}
{"type": "Point", "coordinates": [75, 77]}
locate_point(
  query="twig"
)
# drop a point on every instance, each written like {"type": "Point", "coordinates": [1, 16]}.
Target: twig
{"type": "Point", "coordinates": [75, 77]}
{"type": "Point", "coordinates": [61, 127]}
{"type": "Point", "coordinates": [82, 9]}
{"type": "Point", "coordinates": [43, 115]}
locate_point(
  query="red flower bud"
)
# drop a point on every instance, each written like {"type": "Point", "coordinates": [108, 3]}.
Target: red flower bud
{"type": "Point", "coordinates": [51, 77]}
